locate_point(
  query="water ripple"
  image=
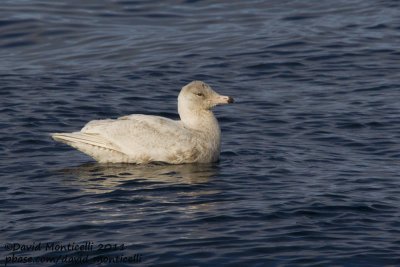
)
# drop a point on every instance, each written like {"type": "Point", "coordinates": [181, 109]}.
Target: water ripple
{"type": "Point", "coordinates": [309, 165]}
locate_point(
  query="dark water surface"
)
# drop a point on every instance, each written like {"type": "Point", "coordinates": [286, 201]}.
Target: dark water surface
{"type": "Point", "coordinates": [310, 163]}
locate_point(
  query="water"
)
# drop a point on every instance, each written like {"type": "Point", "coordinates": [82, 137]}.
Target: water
{"type": "Point", "coordinates": [310, 162]}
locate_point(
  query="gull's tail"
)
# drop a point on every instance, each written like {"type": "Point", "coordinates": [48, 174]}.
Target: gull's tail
{"type": "Point", "coordinates": [93, 145]}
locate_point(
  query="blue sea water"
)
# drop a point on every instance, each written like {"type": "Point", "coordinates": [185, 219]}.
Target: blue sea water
{"type": "Point", "coordinates": [310, 162]}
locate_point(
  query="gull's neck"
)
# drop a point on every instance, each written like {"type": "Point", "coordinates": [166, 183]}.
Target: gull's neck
{"type": "Point", "coordinates": [200, 120]}
{"type": "Point", "coordinates": [204, 123]}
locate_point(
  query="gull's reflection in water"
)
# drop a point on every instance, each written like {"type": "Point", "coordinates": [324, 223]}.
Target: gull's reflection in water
{"type": "Point", "coordinates": [105, 177]}
{"type": "Point", "coordinates": [145, 190]}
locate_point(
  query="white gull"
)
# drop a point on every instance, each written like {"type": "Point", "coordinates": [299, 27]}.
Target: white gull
{"type": "Point", "coordinates": [143, 139]}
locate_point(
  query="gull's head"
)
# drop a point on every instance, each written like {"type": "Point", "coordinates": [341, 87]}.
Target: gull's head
{"type": "Point", "coordinates": [198, 95]}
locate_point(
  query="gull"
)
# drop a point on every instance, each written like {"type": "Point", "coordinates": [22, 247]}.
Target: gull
{"type": "Point", "coordinates": [142, 139]}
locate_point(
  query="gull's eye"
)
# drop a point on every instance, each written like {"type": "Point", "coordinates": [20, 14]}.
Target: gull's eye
{"type": "Point", "coordinates": [199, 94]}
